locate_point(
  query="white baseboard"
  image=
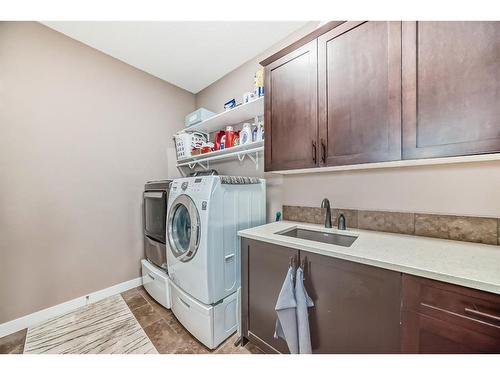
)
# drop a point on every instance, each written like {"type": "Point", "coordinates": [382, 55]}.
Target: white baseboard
{"type": "Point", "coordinates": [37, 317]}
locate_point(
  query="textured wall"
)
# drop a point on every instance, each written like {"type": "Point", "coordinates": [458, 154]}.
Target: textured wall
{"type": "Point", "coordinates": [80, 133]}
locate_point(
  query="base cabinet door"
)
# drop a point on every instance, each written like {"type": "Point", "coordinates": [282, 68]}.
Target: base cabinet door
{"type": "Point", "coordinates": [356, 307]}
{"type": "Point", "coordinates": [426, 335]}
{"type": "Point", "coordinates": [444, 318]}
{"type": "Point", "coordinates": [451, 88]}
{"type": "Point", "coordinates": [264, 268]}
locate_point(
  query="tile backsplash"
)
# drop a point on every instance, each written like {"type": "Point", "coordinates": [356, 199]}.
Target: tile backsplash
{"type": "Point", "coordinates": [394, 222]}
{"type": "Point", "coordinates": [459, 228]}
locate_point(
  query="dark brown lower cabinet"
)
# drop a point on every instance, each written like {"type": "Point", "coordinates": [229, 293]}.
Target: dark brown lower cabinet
{"type": "Point", "coordinates": [357, 307]}
{"type": "Point", "coordinates": [264, 269]}
{"type": "Point", "coordinates": [425, 335]}
{"type": "Point", "coordinates": [444, 318]}
{"type": "Point", "coordinates": [364, 309]}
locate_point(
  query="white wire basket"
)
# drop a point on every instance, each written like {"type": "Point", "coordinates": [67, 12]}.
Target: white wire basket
{"type": "Point", "coordinates": [185, 141]}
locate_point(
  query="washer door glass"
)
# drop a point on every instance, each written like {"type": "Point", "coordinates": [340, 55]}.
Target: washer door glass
{"type": "Point", "coordinates": [183, 228]}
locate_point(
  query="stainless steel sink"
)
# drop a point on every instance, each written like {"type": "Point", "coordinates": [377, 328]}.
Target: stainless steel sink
{"type": "Point", "coordinates": [312, 235]}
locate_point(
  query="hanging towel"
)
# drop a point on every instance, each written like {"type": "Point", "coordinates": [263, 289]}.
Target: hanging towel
{"type": "Point", "coordinates": [303, 302]}
{"type": "Point", "coordinates": [286, 323]}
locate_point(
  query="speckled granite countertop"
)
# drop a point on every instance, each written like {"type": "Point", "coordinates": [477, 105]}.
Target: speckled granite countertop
{"type": "Point", "coordinates": [462, 263]}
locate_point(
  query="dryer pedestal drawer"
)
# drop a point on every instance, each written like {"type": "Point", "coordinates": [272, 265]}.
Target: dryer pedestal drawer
{"type": "Point", "coordinates": [156, 282]}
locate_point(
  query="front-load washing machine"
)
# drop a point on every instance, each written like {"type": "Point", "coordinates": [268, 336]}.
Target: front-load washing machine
{"type": "Point", "coordinates": [203, 249]}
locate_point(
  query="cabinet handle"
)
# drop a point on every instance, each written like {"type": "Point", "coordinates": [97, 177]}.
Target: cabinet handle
{"type": "Point", "coordinates": [323, 151]}
{"type": "Point", "coordinates": [303, 263]}
{"type": "Point", "coordinates": [294, 263]}
{"type": "Point", "coordinates": [482, 314]}
{"type": "Point", "coordinates": [314, 151]}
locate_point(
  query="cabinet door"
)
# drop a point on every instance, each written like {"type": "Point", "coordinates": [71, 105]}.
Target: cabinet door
{"type": "Point", "coordinates": [360, 93]}
{"type": "Point", "coordinates": [451, 88]}
{"type": "Point", "coordinates": [426, 335]}
{"type": "Point", "coordinates": [264, 267]}
{"type": "Point", "coordinates": [356, 307]}
{"type": "Point", "coordinates": [291, 109]}
{"type": "Point", "coordinates": [444, 318]}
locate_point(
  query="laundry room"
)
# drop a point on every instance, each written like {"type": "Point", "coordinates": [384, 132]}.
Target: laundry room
{"type": "Point", "coordinates": [248, 185]}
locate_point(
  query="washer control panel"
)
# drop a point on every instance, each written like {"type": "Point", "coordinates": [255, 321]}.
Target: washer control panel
{"type": "Point", "coordinates": [190, 186]}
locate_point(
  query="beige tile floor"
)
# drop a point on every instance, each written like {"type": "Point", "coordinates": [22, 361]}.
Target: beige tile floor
{"type": "Point", "coordinates": [165, 332]}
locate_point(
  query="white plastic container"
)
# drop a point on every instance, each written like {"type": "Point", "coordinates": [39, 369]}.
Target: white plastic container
{"type": "Point", "coordinates": [246, 134]}
{"type": "Point", "coordinates": [156, 282]}
{"type": "Point", "coordinates": [198, 116]}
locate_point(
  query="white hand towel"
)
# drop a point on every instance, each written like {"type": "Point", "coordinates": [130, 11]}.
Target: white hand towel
{"type": "Point", "coordinates": [286, 323]}
{"type": "Point", "coordinates": [303, 302]}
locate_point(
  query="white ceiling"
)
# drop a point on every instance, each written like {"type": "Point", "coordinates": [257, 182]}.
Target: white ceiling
{"type": "Point", "coordinates": [189, 54]}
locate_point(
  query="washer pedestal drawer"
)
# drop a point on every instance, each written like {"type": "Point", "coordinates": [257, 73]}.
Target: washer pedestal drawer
{"type": "Point", "coordinates": [210, 324]}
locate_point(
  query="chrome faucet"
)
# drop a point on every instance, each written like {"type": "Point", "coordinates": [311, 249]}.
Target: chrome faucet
{"type": "Point", "coordinates": [328, 218]}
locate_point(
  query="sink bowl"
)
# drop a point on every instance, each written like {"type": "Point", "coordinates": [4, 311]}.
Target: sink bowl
{"type": "Point", "coordinates": [312, 235]}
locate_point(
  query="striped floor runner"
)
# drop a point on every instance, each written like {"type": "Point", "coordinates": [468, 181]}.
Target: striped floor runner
{"type": "Point", "coordinates": [107, 327]}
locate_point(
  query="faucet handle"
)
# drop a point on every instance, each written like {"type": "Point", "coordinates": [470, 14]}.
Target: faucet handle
{"type": "Point", "coordinates": [341, 222]}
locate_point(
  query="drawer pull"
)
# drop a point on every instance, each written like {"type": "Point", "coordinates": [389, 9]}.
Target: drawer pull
{"type": "Point", "coordinates": [482, 314]}
{"type": "Point", "coordinates": [184, 302]}
{"type": "Point", "coordinates": [152, 277]}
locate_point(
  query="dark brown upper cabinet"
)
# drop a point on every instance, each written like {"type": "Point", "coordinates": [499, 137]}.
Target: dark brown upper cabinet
{"type": "Point", "coordinates": [363, 92]}
{"type": "Point", "coordinates": [451, 88]}
{"type": "Point", "coordinates": [291, 110]}
{"type": "Point", "coordinates": [359, 70]}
